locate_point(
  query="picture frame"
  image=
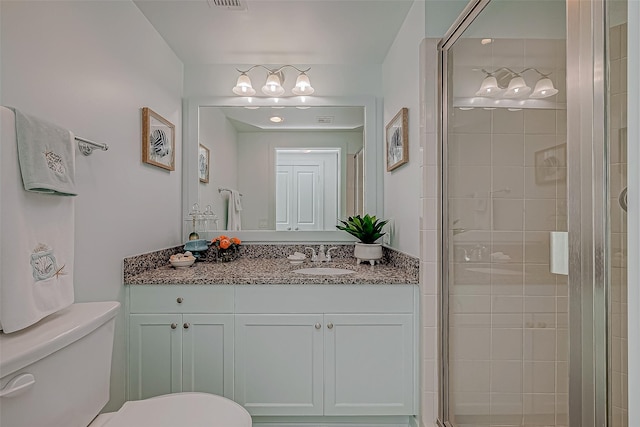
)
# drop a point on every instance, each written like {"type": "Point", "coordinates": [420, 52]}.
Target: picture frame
{"type": "Point", "coordinates": [158, 140]}
{"type": "Point", "coordinates": [551, 164]}
{"type": "Point", "coordinates": [203, 163]}
{"type": "Point", "coordinates": [397, 137]}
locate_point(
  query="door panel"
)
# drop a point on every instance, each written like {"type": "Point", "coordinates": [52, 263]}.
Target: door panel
{"type": "Point", "coordinates": [369, 364]}
{"type": "Point", "coordinates": [155, 355]}
{"type": "Point", "coordinates": [279, 365]}
{"type": "Point", "coordinates": [207, 359]}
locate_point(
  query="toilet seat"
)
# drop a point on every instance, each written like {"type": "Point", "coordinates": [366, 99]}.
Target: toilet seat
{"type": "Point", "coordinates": [181, 410]}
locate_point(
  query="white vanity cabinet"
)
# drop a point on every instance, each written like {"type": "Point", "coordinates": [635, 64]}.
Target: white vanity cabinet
{"type": "Point", "coordinates": [279, 350]}
{"type": "Point", "coordinates": [180, 339]}
{"type": "Point", "coordinates": [355, 353]}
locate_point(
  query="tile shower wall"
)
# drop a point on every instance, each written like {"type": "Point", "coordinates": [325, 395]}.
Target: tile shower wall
{"type": "Point", "coordinates": [507, 191]}
{"type": "Point", "coordinates": [618, 181]}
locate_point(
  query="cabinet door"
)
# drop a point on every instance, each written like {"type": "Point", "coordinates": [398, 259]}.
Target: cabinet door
{"type": "Point", "coordinates": [369, 364]}
{"type": "Point", "coordinates": [278, 361]}
{"type": "Point", "coordinates": [207, 353]}
{"type": "Point", "coordinates": [155, 355]}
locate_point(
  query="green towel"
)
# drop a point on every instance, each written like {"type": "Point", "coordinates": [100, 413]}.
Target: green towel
{"type": "Point", "coordinates": [46, 154]}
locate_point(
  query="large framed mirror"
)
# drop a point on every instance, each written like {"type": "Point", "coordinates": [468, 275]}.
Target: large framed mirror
{"type": "Point", "coordinates": [288, 169]}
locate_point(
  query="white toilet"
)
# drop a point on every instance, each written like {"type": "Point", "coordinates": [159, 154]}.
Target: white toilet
{"type": "Point", "coordinates": [56, 374]}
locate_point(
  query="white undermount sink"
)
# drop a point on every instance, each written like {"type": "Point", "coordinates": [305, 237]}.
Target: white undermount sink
{"type": "Point", "coordinates": [324, 271]}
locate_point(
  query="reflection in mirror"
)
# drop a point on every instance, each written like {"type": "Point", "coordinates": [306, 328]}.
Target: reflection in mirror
{"type": "Point", "coordinates": [297, 169]}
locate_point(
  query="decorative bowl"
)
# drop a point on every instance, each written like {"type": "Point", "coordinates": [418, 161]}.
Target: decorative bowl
{"type": "Point", "coordinates": [196, 245]}
{"type": "Point", "coordinates": [185, 262]}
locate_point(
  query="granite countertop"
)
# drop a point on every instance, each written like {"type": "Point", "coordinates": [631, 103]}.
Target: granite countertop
{"type": "Point", "coordinates": [245, 271]}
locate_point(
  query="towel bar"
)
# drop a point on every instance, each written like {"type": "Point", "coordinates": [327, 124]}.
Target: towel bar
{"type": "Point", "coordinates": [87, 146]}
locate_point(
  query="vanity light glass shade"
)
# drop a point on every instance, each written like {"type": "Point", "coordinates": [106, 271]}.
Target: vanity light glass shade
{"type": "Point", "coordinates": [243, 86]}
{"type": "Point", "coordinates": [517, 88]}
{"type": "Point", "coordinates": [273, 86]}
{"type": "Point", "coordinates": [489, 87]}
{"type": "Point", "coordinates": [544, 88]}
{"type": "Point", "coordinates": [303, 86]}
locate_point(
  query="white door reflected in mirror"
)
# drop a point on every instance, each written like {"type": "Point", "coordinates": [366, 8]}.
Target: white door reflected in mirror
{"type": "Point", "coordinates": [307, 188]}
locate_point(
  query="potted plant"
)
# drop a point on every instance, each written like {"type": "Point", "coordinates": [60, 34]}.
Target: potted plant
{"type": "Point", "coordinates": [368, 229]}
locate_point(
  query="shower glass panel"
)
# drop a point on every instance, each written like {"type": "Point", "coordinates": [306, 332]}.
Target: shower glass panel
{"type": "Point", "coordinates": [506, 198]}
{"type": "Point", "coordinates": [617, 147]}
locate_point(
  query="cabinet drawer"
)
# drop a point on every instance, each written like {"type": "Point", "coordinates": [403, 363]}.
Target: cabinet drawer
{"type": "Point", "coordinates": [255, 299]}
{"type": "Point", "coordinates": [181, 299]}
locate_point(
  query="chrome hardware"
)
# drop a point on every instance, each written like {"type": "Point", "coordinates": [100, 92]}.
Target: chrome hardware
{"type": "Point", "coordinates": [622, 199]}
{"type": "Point", "coordinates": [329, 325]}
{"type": "Point", "coordinates": [179, 300]}
{"type": "Point", "coordinates": [314, 257]}
{"type": "Point", "coordinates": [186, 325]}
{"type": "Point", "coordinates": [318, 326]}
{"type": "Point", "coordinates": [321, 256]}
{"type": "Point", "coordinates": [328, 256]}
{"type": "Point", "coordinates": [174, 325]}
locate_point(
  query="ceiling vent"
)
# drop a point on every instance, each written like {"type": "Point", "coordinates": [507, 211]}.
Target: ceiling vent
{"type": "Point", "coordinates": [325, 120]}
{"type": "Point", "coordinates": [227, 4]}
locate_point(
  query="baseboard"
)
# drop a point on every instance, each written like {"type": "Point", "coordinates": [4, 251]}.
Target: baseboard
{"type": "Point", "coordinates": [381, 421]}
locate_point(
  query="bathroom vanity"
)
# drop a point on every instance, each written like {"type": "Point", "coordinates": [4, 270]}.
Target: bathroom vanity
{"type": "Point", "coordinates": [342, 348]}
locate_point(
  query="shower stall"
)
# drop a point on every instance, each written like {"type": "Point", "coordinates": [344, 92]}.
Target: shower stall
{"type": "Point", "coordinates": [533, 158]}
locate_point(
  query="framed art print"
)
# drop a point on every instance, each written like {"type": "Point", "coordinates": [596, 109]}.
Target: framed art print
{"type": "Point", "coordinates": [397, 138]}
{"type": "Point", "coordinates": [203, 163]}
{"type": "Point", "coordinates": [158, 140]}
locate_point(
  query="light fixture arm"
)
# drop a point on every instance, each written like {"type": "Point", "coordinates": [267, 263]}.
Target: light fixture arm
{"type": "Point", "coordinates": [514, 73]}
{"type": "Point", "coordinates": [273, 70]}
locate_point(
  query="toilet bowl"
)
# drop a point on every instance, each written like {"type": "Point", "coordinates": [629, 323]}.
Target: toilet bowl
{"type": "Point", "coordinates": [177, 410]}
{"type": "Point", "coordinates": [62, 366]}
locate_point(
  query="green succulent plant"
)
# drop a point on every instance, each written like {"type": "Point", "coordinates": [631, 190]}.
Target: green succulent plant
{"type": "Point", "coordinates": [367, 228]}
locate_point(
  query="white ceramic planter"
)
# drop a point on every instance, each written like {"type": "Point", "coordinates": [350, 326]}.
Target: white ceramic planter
{"type": "Point", "coordinates": [368, 252]}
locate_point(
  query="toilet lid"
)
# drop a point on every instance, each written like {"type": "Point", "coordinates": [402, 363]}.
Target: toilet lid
{"type": "Point", "coordinates": [181, 410]}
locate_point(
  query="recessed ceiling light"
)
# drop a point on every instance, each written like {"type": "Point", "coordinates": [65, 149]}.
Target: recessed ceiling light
{"type": "Point", "coordinates": [278, 107]}
{"type": "Point", "coordinates": [276, 119]}
{"type": "Point", "coordinates": [486, 41]}
{"type": "Point", "coordinates": [465, 108]}
{"type": "Point", "coordinates": [303, 107]}
{"type": "Point", "coordinates": [251, 107]}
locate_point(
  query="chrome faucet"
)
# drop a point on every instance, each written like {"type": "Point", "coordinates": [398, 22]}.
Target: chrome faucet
{"type": "Point", "coordinates": [321, 256]}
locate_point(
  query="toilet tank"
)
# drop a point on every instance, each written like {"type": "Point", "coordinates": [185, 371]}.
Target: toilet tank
{"type": "Point", "coordinates": [56, 373]}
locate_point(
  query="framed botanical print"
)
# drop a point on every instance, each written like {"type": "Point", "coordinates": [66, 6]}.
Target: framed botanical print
{"type": "Point", "coordinates": [203, 163]}
{"type": "Point", "coordinates": [158, 140]}
{"type": "Point", "coordinates": [397, 137]}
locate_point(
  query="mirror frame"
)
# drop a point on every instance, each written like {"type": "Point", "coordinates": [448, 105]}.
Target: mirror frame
{"type": "Point", "coordinates": [373, 155]}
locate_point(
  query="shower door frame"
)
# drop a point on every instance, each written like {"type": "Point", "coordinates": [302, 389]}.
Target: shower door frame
{"type": "Point", "coordinates": [587, 204]}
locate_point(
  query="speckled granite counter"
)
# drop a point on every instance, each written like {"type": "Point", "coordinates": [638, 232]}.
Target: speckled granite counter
{"type": "Point", "coordinates": [266, 264]}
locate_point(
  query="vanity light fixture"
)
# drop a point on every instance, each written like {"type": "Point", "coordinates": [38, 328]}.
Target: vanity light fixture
{"type": "Point", "coordinates": [544, 88]}
{"type": "Point", "coordinates": [273, 86]}
{"type": "Point", "coordinates": [517, 87]}
{"type": "Point", "coordinates": [489, 87]}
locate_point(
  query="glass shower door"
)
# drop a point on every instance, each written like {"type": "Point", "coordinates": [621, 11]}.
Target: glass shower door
{"type": "Point", "coordinates": [506, 203]}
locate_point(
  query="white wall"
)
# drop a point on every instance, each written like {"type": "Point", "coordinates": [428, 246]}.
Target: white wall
{"type": "Point", "coordinates": [90, 67]}
{"type": "Point", "coordinates": [400, 77]}
{"type": "Point", "coordinates": [220, 137]}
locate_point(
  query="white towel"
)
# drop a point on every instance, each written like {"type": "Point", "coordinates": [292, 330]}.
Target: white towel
{"type": "Point", "coordinates": [36, 266]}
{"type": "Point", "coordinates": [47, 156]}
{"type": "Point", "coordinates": [234, 222]}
